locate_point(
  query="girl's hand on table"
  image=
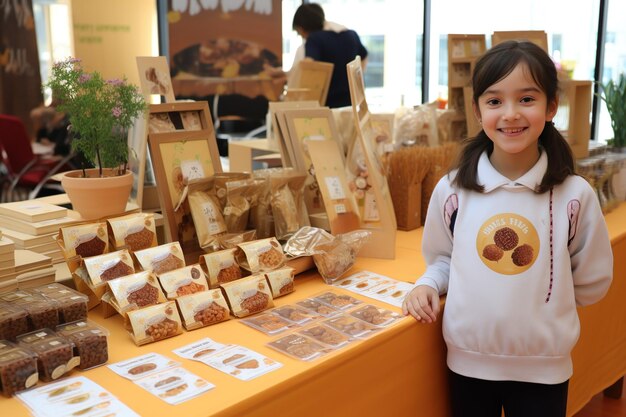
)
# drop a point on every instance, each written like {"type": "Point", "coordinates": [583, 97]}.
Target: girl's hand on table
{"type": "Point", "coordinates": [422, 303]}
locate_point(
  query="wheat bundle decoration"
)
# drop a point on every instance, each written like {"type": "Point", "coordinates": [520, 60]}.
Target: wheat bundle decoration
{"type": "Point", "coordinates": [407, 168]}
{"type": "Point", "coordinates": [440, 158]}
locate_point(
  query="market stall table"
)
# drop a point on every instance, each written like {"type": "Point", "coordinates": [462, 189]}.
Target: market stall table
{"type": "Point", "coordinates": [400, 371]}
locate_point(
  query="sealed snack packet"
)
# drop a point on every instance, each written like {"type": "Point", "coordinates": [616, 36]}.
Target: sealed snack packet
{"type": "Point", "coordinates": [281, 281]}
{"type": "Point", "coordinates": [134, 232]}
{"type": "Point", "coordinates": [109, 266]}
{"type": "Point", "coordinates": [162, 258]}
{"type": "Point", "coordinates": [154, 323]}
{"type": "Point", "coordinates": [206, 212]}
{"type": "Point", "coordinates": [248, 296]}
{"type": "Point", "coordinates": [183, 281]}
{"type": "Point", "coordinates": [260, 255]}
{"type": "Point", "coordinates": [221, 267]}
{"type": "Point", "coordinates": [135, 291]}
{"type": "Point", "coordinates": [287, 200]}
{"type": "Point", "coordinates": [203, 309]}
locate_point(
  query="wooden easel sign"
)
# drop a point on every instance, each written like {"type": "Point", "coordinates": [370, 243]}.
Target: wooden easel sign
{"type": "Point", "coordinates": [366, 173]}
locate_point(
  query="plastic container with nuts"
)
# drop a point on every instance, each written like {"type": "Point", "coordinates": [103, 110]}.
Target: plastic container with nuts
{"type": "Point", "coordinates": [13, 321]}
{"type": "Point", "coordinates": [55, 354]}
{"type": "Point", "coordinates": [42, 312]}
{"type": "Point", "coordinates": [72, 305]}
{"type": "Point", "coordinates": [90, 342]}
{"type": "Point", "coordinates": [18, 368]}
{"type": "Point", "coordinates": [203, 309]}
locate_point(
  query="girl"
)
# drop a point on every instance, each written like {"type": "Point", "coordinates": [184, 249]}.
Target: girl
{"type": "Point", "coordinates": [517, 241]}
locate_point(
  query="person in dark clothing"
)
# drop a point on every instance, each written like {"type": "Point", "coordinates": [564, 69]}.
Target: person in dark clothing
{"type": "Point", "coordinates": [336, 47]}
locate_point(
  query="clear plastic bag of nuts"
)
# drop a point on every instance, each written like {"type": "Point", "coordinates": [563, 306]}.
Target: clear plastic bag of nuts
{"type": "Point", "coordinates": [335, 258]}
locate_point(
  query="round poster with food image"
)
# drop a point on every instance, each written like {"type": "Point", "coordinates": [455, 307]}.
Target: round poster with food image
{"type": "Point", "coordinates": [508, 243]}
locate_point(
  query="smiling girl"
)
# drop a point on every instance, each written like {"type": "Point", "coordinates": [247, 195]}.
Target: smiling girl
{"type": "Point", "coordinates": [517, 240]}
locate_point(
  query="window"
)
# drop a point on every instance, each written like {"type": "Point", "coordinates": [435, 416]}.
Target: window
{"type": "Point", "coordinates": [614, 59]}
{"type": "Point", "coordinates": [388, 29]}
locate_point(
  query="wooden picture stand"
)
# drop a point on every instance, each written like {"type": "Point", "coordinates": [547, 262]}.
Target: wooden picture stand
{"type": "Point", "coordinates": [310, 81]}
{"type": "Point", "coordinates": [378, 214]}
{"type": "Point", "coordinates": [187, 151]}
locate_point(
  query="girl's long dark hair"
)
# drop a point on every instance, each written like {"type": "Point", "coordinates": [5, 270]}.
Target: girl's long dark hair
{"type": "Point", "coordinates": [494, 65]}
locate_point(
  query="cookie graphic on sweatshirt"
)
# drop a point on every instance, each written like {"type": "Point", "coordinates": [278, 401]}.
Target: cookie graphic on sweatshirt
{"type": "Point", "coordinates": [508, 243]}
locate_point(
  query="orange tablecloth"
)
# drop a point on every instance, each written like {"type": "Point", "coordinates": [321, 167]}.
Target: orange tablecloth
{"type": "Point", "coordinates": [399, 372]}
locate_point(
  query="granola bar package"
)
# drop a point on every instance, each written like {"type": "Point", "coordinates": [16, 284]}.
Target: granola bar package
{"type": "Point", "coordinates": [206, 212]}
{"type": "Point", "coordinates": [240, 197]}
{"type": "Point", "coordinates": [221, 267]}
{"type": "Point", "coordinates": [287, 200]}
{"type": "Point", "coordinates": [135, 291]}
{"type": "Point", "coordinates": [109, 266]}
{"type": "Point", "coordinates": [162, 258]}
{"type": "Point", "coordinates": [248, 295]}
{"type": "Point", "coordinates": [221, 178]}
{"type": "Point", "coordinates": [154, 323]}
{"type": "Point", "coordinates": [203, 309]}
{"type": "Point", "coordinates": [261, 218]}
{"type": "Point", "coordinates": [133, 232]}
{"type": "Point", "coordinates": [261, 255]}
{"type": "Point", "coordinates": [183, 281]}
{"type": "Point", "coordinates": [281, 281]}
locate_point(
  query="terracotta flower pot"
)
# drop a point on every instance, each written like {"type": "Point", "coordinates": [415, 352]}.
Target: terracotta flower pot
{"type": "Point", "coordinates": [94, 197]}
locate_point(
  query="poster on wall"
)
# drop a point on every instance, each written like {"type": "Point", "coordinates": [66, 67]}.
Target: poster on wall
{"type": "Point", "coordinates": [20, 81]}
{"type": "Point", "coordinates": [225, 47]}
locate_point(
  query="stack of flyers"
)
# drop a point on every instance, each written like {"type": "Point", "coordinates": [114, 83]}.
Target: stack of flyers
{"type": "Point", "coordinates": [378, 287]}
{"type": "Point", "coordinates": [76, 396]}
{"type": "Point", "coordinates": [162, 377]}
{"type": "Point", "coordinates": [238, 361]}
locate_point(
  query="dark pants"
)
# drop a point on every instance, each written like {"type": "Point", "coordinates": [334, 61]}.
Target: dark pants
{"type": "Point", "coordinates": [473, 397]}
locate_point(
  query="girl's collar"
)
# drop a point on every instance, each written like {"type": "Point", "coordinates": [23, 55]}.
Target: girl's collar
{"type": "Point", "coordinates": [491, 179]}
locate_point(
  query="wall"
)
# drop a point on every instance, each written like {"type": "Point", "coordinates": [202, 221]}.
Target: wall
{"type": "Point", "coordinates": [109, 35]}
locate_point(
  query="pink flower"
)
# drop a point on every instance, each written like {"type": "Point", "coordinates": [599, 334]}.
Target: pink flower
{"type": "Point", "coordinates": [117, 111]}
{"type": "Point", "coordinates": [84, 78]}
{"type": "Point", "coordinates": [73, 60]}
{"type": "Point", "coordinates": [115, 82]}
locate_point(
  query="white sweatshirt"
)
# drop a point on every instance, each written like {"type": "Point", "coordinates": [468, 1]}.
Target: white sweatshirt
{"type": "Point", "coordinates": [505, 318]}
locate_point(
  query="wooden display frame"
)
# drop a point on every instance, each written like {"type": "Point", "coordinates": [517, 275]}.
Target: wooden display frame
{"type": "Point", "coordinates": [154, 76]}
{"type": "Point", "coordinates": [179, 156]}
{"type": "Point", "coordinates": [538, 37]}
{"type": "Point", "coordinates": [310, 81]}
{"type": "Point", "coordinates": [330, 172]}
{"type": "Point", "coordinates": [280, 132]}
{"type": "Point", "coordinates": [315, 124]}
{"type": "Point", "coordinates": [382, 242]}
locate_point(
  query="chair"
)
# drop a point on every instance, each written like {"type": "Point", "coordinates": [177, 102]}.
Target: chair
{"type": "Point", "coordinates": [22, 168]}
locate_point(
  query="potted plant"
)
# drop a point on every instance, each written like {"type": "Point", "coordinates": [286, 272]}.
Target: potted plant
{"type": "Point", "coordinates": [100, 112]}
{"type": "Point", "coordinates": [614, 96]}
